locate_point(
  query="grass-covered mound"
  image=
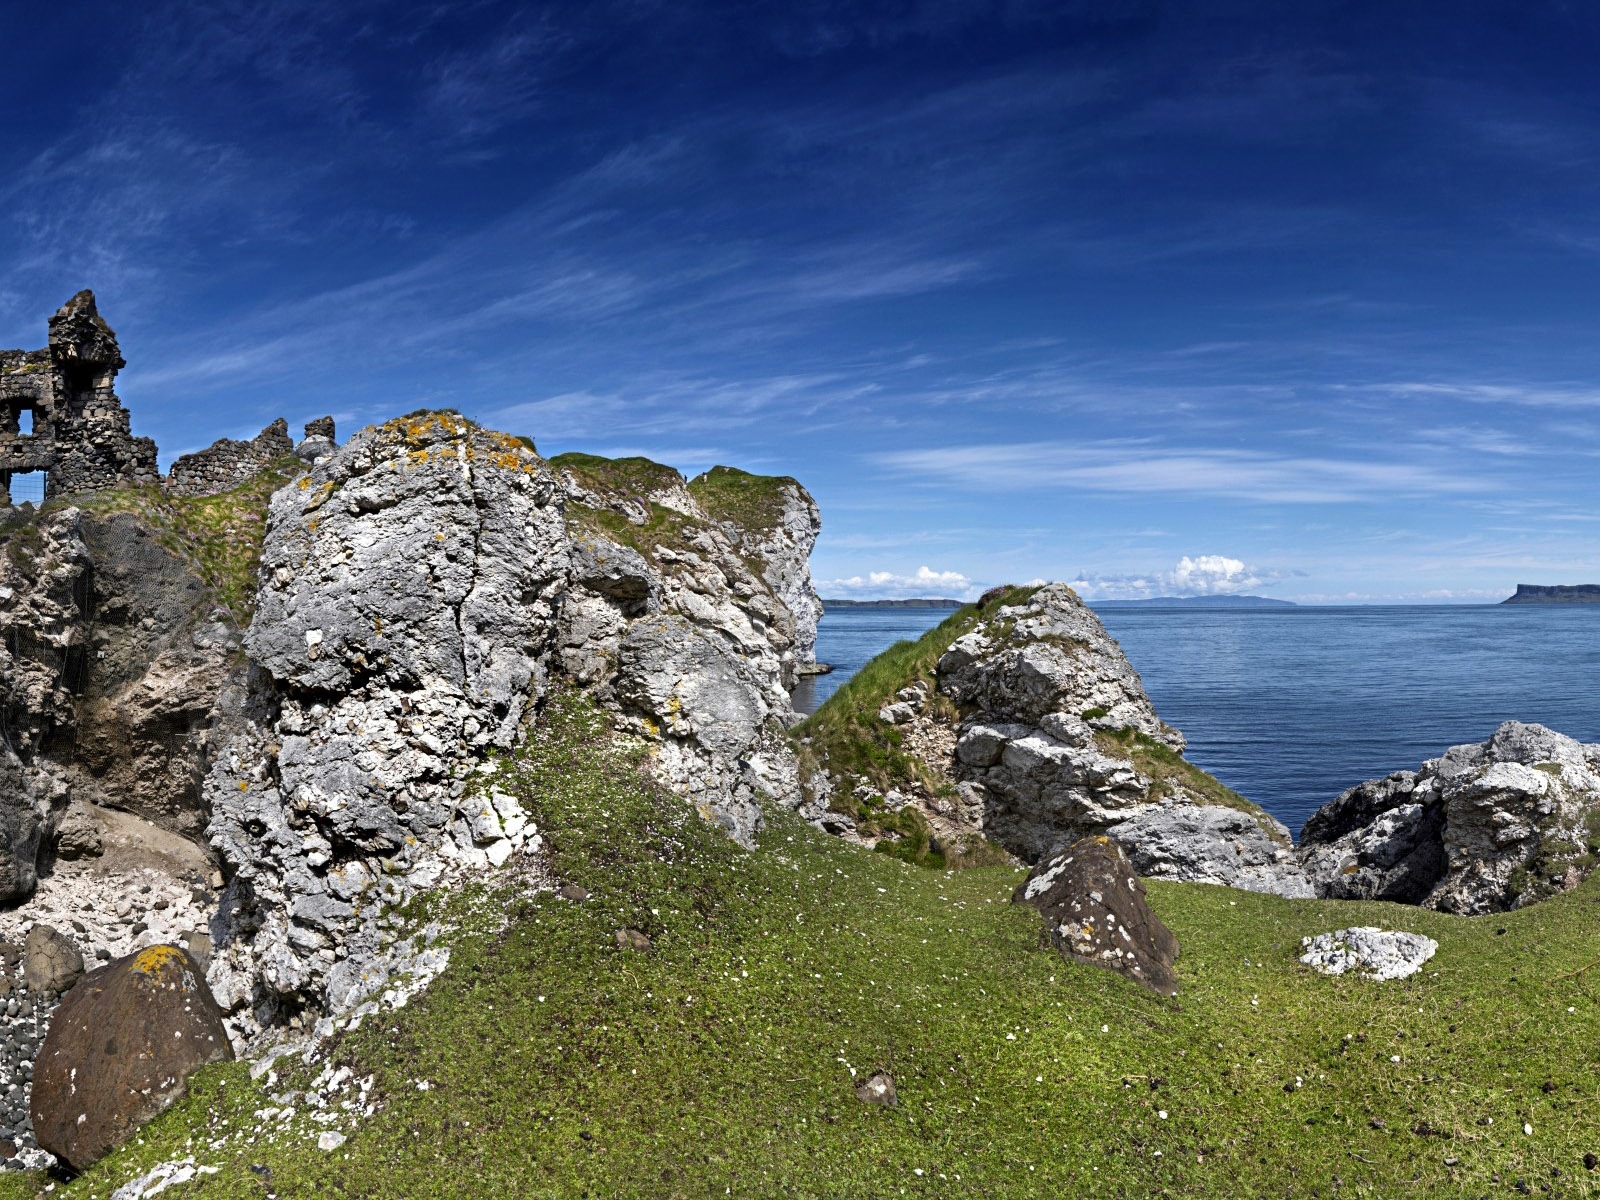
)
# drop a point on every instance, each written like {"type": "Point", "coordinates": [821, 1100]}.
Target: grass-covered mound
{"type": "Point", "coordinates": [845, 736]}
{"type": "Point", "coordinates": [220, 536]}
{"type": "Point", "coordinates": [722, 1062]}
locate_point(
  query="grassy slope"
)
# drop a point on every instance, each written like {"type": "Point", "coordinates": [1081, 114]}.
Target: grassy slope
{"type": "Point", "coordinates": [719, 1064]}
{"type": "Point", "coordinates": [845, 734]}
{"type": "Point", "coordinates": [221, 535]}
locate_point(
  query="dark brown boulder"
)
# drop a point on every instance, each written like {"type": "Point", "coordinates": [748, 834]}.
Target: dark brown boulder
{"type": "Point", "coordinates": [120, 1050]}
{"type": "Point", "coordinates": [1095, 912]}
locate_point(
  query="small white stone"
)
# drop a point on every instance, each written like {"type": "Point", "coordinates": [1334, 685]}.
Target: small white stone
{"type": "Point", "coordinates": [331, 1139]}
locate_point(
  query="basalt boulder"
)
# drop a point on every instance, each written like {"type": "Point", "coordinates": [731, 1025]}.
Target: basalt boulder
{"type": "Point", "coordinates": [120, 1051]}
{"type": "Point", "coordinates": [1095, 911]}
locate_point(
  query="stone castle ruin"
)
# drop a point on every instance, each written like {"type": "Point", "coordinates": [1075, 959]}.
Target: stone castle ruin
{"type": "Point", "coordinates": [63, 430]}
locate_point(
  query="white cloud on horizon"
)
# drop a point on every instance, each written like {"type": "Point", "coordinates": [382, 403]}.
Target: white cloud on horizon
{"type": "Point", "coordinates": [1196, 575]}
{"type": "Point", "coordinates": [887, 585]}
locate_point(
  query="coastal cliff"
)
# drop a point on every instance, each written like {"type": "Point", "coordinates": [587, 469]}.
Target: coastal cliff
{"type": "Point", "coordinates": [260, 745]}
{"type": "Point", "coordinates": [1556, 594]}
{"type": "Point", "coordinates": [1021, 724]}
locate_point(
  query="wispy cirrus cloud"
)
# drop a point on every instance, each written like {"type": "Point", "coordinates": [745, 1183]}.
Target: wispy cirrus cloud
{"type": "Point", "coordinates": [1136, 467]}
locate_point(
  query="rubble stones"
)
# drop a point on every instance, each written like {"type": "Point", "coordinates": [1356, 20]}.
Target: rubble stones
{"type": "Point", "coordinates": [226, 463]}
{"type": "Point", "coordinates": [1483, 828]}
{"type": "Point", "coordinates": [1095, 912]}
{"type": "Point", "coordinates": [1379, 954]}
{"type": "Point", "coordinates": [78, 835]}
{"type": "Point", "coordinates": [120, 1050]}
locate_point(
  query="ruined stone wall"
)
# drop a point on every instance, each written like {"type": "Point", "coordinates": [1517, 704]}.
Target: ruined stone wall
{"type": "Point", "coordinates": [227, 463]}
{"type": "Point", "coordinates": [80, 434]}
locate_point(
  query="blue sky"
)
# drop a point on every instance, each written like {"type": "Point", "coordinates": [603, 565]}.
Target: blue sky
{"type": "Point", "coordinates": [1296, 299]}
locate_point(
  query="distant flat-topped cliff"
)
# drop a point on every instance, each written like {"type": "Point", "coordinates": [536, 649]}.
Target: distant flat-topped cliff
{"type": "Point", "coordinates": [1227, 601]}
{"type": "Point", "coordinates": [923, 602]}
{"type": "Point", "coordinates": [1561, 593]}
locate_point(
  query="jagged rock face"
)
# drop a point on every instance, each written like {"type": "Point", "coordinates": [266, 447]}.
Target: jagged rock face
{"type": "Point", "coordinates": [1048, 656]}
{"type": "Point", "coordinates": [113, 673]}
{"type": "Point", "coordinates": [45, 574]}
{"type": "Point", "coordinates": [1096, 912]}
{"type": "Point", "coordinates": [408, 599]}
{"type": "Point", "coordinates": [687, 634]}
{"type": "Point", "coordinates": [1058, 723]}
{"type": "Point", "coordinates": [162, 667]}
{"type": "Point", "coordinates": [782, 539]}
{"type": "Point", "coordinates": [1482, 828]}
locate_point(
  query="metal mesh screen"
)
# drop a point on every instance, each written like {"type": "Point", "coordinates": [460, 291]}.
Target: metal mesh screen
{"type": "Point", "coordinates": [27, 486]}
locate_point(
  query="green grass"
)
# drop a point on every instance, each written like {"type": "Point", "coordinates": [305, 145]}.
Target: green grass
{"type": "Point", "coordinates": [631, 476]}
{"type": "Point", "coordinates": [845, 735]}
{"type": "Point", "coordinates": [720, 1062]}
{"type": "Point", "coordinates": [752, 502]}
{"type": "Point", "coordinates": [220, 536]}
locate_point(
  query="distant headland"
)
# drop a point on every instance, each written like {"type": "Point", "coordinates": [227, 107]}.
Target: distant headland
{"type": "Point", "coordinates": [924, 602]}
{"type": "Point", "coordinates": [1561, 593]}
{"type": "Point", "coordinates": [1196, 602]}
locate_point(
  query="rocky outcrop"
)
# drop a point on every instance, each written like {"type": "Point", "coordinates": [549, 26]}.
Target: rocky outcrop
{"type": "Point", "coordinates": [1375, 953]}
{"type": "Point", "coordinates": [120, 1050]}
{"type": "Point", "coordinates": [419, 591]}
{"type": "Point", "coordinates": [115, 663]}
{"type": "Point", "coordinates": [679, 621]}
{"type": "Point", "coordinates": [1482, 828]}
{"type": "Point", "coordinates": [775, 521]}
{"type": "Point", "coordinates": [410, 587]}
{"type": "Point", "coordinates": [1096, 912]}
{"type": "Point", "coordinates": [1060, 741]}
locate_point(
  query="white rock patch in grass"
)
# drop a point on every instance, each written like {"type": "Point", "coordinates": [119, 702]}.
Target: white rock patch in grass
{"type": "Point", "coordinates": [1376, 953]}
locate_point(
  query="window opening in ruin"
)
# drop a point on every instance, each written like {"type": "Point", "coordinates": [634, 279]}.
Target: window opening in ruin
{"type": "Point", "coordinates": [28, 487]}
{"type": "Point", "coordinates": [25, 422]}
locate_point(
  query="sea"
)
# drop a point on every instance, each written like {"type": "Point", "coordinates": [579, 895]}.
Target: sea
{"type": "Point", "coordinates": [1290, 706]}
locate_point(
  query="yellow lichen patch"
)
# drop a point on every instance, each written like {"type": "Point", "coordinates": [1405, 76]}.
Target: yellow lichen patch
{"type": "Point", "coordinates": [244, 785]}
{"type": "Point", "coordinates": [153, 959]}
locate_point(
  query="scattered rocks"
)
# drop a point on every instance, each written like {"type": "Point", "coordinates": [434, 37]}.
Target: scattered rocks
{"type": "Point", "coordinates": [633, 939]}
{"type": "Point", "coordinates": [1095, 911]}
{"type": "Point", "coordinates": [120, 1050]}
{"type": "Point", "coordinates": [1483, 828]}
{"type": "Point", "coordinates": [878, 1088]}
{"type": "Point", "coordinates": [1376, 953]}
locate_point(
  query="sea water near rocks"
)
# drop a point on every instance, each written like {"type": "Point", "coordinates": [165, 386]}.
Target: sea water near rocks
{"type": "Point", "coordinates": [1291, 706]}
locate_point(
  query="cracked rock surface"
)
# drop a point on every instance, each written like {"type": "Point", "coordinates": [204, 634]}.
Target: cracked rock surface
{"type": "Point", "coordinates": [1060, 742]}
{"type": "Point", "coordinates": [409, 590]}
{"type": "Point", "coordinates": [1484, 827]}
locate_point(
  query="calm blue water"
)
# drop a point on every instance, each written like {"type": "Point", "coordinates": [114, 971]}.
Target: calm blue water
{"type": "Point", "coordinates": [1291, 706]}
